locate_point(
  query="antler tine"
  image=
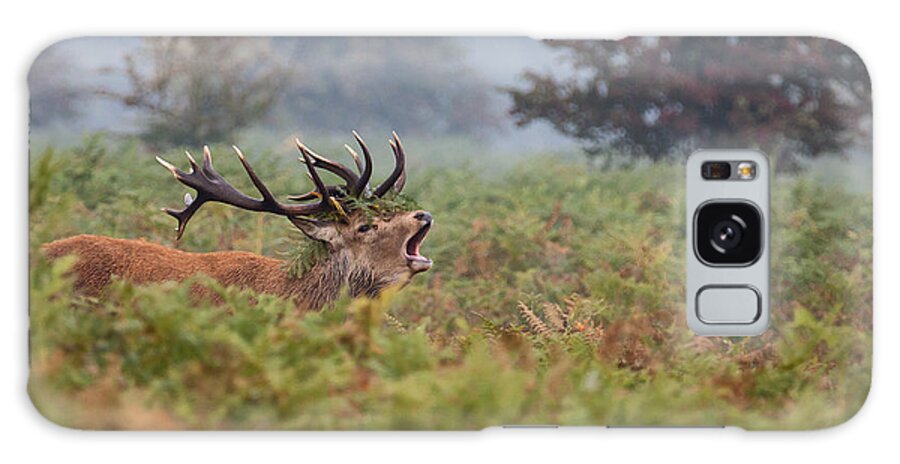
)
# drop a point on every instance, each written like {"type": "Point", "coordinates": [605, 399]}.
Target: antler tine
{"type": "Point", "coordinates": [401, 182]}
{"type": "Point", "coordinates": [207, 160]}
{"type": "Point", "coordinates": [267, 195]}
{"type": "Point", "coordinates": [183, 216]}
{"type": "Point", "coordinates": [168, 166]}
{"type": "Point", "coordinates": [211, 186]}
{"type": "Point", "coordinates": [320, 186]}
{"type": "Point", "coordinates": [334, 167]}
{"type": "Point", "coordinates": [399, 167]}
{"type": "Point", "coordinates": [194, 166]}
{"type": "Point", "coordinates": [363, 184]}
{"type": "Point", "coordinates": [356, 160]}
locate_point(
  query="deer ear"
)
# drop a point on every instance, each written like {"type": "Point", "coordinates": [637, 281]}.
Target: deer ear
{"type": "Point", "coordinates": [323, 231]}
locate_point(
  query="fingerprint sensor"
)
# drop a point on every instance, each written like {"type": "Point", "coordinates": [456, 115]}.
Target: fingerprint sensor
{"type": "Point", "coordinates": [728, 304]}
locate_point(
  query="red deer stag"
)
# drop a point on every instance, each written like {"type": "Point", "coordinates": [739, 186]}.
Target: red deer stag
{"type": "Point", "coordinates": [366, 252]}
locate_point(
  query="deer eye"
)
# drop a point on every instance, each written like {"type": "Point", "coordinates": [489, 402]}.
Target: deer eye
{"type": "Point", "coordinates": [365, 228]}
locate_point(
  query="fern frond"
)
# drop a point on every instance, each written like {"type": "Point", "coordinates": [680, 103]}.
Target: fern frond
{"type": "Point", "coordinates": [534, 322]}
{"type": "Point", "coordinates": [394, 322]}
{"type": "Point", "coordinates": [556, 316]}
{"type": "Point", "coordinates": [305, 254]}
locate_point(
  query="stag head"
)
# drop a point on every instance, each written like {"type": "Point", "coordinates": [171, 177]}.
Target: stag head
{"type": "Point", "coordinates": [378, 239]}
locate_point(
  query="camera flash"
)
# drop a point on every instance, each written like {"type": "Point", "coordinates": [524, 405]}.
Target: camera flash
{"type": "Point", "coordinates": [746, 170]}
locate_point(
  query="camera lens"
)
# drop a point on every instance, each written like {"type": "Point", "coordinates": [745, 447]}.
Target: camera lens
{"type": "Point", "coordinates": [728, 233]}
{"type": "Point", "coordinates": [716, 170]}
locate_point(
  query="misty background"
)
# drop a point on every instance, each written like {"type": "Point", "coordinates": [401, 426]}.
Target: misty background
{"type": "Point", "coordinates": [488, 101]}
{"type": "Point", "coordinates": [331, 86]}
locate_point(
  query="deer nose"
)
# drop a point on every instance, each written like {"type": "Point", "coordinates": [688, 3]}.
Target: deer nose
{"type": "Point", "coordinates": [423, 216]}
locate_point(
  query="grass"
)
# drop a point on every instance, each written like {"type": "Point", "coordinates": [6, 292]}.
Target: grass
{"type": "Point", "coordinates": [556, 297]}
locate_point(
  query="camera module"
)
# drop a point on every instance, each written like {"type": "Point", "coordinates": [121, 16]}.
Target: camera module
{"type": "Point", "coordinates": [716, 170]}
{"type": "Point", "coordinates": [728, 233]}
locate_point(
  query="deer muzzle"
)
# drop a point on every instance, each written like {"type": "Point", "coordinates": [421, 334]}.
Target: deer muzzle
{"type": "Point", "coordinates": [416, 262]}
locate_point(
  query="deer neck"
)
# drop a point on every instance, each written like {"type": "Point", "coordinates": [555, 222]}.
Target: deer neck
{"type": "Point", "coordinates": [324, 282]}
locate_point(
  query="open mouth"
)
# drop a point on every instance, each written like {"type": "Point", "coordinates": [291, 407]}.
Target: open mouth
{"type": "Point", "coordinates": [417, 262]}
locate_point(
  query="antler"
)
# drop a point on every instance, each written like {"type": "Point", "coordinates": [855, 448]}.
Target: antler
{"type": "Point", "coordinates": [397, 179]}
{"type": "Point", "coordinates": [356, 185]}
{"type": "Point", "coordinates": [211, 186]}
{"type": "Point", "coordinates": [366, 173]}
{"type": "Point", "coordinates": [334, 167]}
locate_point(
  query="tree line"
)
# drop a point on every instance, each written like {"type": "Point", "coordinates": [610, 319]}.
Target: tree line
{"type": "Point", "coordinates": [645, 97]}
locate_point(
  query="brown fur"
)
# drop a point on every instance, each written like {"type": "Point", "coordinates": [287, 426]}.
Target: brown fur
{"type": "Point", "coordinates": [364, 262]}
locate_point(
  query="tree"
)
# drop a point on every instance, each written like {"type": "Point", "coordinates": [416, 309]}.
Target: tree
{"type": "Point", "coordinates": [655, 97]}
{"type": "Point", "coordinates": [200, 89]}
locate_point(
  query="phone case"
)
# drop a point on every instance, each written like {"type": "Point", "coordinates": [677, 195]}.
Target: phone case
{"type": "Point", "coordinates": [474, 232]}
